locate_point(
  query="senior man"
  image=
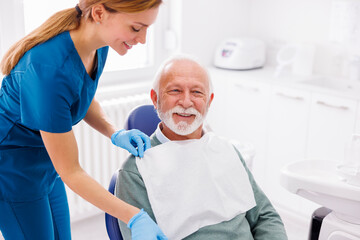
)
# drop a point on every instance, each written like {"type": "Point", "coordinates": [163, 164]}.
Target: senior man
{"type": "Point", "coordinates": [194, 184]}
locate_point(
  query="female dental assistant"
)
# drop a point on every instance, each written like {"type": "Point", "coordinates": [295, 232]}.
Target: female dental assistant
{"type": "Point", "coordinates": [51, 76]}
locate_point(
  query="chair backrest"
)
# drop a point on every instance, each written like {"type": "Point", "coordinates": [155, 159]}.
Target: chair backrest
{"type": "Point", "coordinates": [112, 225]}
{"type": "Point", "coordinates": [144, 118]}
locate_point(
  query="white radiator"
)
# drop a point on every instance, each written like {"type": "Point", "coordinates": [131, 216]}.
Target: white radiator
{"type": "Point", "coordinates": [97, 155]}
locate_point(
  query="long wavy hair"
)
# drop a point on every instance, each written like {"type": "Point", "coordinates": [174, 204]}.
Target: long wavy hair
{"type": "Point", "coordinates": [67, 20]}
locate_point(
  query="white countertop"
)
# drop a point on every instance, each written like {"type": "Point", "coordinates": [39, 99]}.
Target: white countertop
{"type": "Point", "coordinates": [316, 83]}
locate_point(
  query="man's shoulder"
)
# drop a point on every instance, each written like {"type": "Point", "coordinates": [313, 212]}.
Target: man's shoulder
{"type": "Point", "coordinates": [154, 140]}
{"type": "Point", "coordinates": [130, 163]}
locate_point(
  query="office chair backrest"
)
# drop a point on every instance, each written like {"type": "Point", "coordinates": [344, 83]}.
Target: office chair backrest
{"type": "Point", "coordinates": [144, 118]}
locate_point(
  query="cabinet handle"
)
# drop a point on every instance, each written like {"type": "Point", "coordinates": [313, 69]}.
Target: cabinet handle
{"type": "Point", "coordinates": [288, 96]}
{"type": "Point", "coordinates": [254, 89]}
{"type": "Point", "coordinates": [332, 106]}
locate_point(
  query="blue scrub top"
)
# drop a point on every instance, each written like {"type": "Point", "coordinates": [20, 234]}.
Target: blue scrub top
{"type": "Point", "coordinates": [49, 90]}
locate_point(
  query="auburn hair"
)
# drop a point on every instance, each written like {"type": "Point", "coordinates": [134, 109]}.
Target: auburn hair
{"type": "Point", "coordinates": [67, 20]}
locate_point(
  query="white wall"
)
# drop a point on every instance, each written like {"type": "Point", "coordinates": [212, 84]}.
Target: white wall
{"type": "Point", "coordinates": [277, 22]}
{"type": "Point", "coordinates": [298, 21]}
{"type": "Point", "coordinates": [206, 23]}
{"type": "Point", "coordinates": [291, 20]}
{"type": "Point", "coordinates": [11, 30]}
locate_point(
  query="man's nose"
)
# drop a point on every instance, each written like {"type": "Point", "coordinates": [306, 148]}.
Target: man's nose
{"type": "Point", "coordinates": [186, 100]}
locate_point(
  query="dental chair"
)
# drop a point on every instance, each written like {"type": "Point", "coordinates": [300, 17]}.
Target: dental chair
{"type": "Point", "coordinates": [144, 118]}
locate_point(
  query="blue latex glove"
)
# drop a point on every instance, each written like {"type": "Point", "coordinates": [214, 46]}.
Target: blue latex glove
{"type": "Point", "coordinates": [130, 140]}
{"type": "Point", "coordinates": [144, 228]}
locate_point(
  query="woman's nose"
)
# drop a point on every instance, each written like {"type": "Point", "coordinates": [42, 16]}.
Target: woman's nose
{"type": "Point", "coordinates": [141, 37]}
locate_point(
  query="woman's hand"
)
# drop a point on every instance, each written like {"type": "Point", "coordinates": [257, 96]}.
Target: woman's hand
{"type": "Point", "coordinates": [144, 228]}
{"type": "Point", "coordinates": [130, 140]}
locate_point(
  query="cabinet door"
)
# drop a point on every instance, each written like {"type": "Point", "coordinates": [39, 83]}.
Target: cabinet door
{"type": "Point", "coordinates": [248, 104]}
{"type": "Point", "coordinates": [288, 123]}
{"type": "Point", "coordinates": [332, 121]}
{"type": "Point", "coordinates": [357, 128]}
{"type": "Point", "coordinates": [216, 118]}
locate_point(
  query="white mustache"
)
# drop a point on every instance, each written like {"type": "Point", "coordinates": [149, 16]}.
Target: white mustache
{"type": "Point", "coordinates": [181, 110]}
{"type": "Point", "coordinates": [181, 128]}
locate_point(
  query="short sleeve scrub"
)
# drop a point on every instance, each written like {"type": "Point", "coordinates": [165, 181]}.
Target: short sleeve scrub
{"type": "Point", "coordinates": [49, 90]}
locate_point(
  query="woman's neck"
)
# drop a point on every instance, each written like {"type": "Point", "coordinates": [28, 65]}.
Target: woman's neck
{"type": "Point", "coordinates": [86, 43]}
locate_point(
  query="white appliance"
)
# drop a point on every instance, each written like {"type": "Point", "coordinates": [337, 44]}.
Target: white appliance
{"type": "Point", "coordinates": [240, 54]}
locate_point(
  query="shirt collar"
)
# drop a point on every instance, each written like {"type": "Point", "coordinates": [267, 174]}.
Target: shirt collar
{"type": "Point", "coordinates": [160, 136]}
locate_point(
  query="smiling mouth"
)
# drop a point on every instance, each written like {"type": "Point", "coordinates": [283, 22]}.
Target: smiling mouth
{"type": "Point", "coordinates": [128, 46]}
{"type": "Point", "coordinates": [184, 115]}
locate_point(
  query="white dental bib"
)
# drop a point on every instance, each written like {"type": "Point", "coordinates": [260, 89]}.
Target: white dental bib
{"type": "Point", "coordinates": [195, 183]}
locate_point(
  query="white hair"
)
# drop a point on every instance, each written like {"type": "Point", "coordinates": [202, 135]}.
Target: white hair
{"type": "Point", "coordinates": [178, 58]}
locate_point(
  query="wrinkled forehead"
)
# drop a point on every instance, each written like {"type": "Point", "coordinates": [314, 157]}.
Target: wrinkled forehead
{"type": "Point", "coordinates": [184, 72]}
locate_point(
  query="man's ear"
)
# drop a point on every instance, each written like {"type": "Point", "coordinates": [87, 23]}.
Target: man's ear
{"type": "Point", "coordinates": [154, 97]}
{"type": "Point", "coordinates": [210, 100]}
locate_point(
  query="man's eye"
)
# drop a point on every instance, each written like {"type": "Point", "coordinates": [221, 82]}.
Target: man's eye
{"type": "Point", "coordinates": [135, 30]}
{"type": "Point", "coordinates": [175, 90]}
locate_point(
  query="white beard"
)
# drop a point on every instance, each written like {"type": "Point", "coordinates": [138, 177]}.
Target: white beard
{"type": "Point", "coordinates": [181, 128]}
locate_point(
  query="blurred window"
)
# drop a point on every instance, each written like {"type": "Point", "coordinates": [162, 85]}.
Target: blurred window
{"type": "Point", "coordinates": [37, 11]}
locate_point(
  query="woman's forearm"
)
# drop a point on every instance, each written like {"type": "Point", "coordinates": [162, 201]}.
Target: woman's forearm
{"type": "Point", "coordinates": [86, 187]}
{"type": "Point", "coordinates": [63, 152]}
{"type": "Point", "coordinates": [98, 120]}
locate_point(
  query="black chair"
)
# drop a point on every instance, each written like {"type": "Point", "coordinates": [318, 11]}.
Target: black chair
{"type": "Point", "coordinates": [316, 222]}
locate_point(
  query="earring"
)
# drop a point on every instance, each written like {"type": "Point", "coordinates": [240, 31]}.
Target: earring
{"type": "Point", "coordinates": [97, 23]}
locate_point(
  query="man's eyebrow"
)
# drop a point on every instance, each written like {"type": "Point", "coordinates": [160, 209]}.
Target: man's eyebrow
{"type": "Point", "coordinates": [143, 24]}
{"type": "Point", "coordinates": [171, 85]}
